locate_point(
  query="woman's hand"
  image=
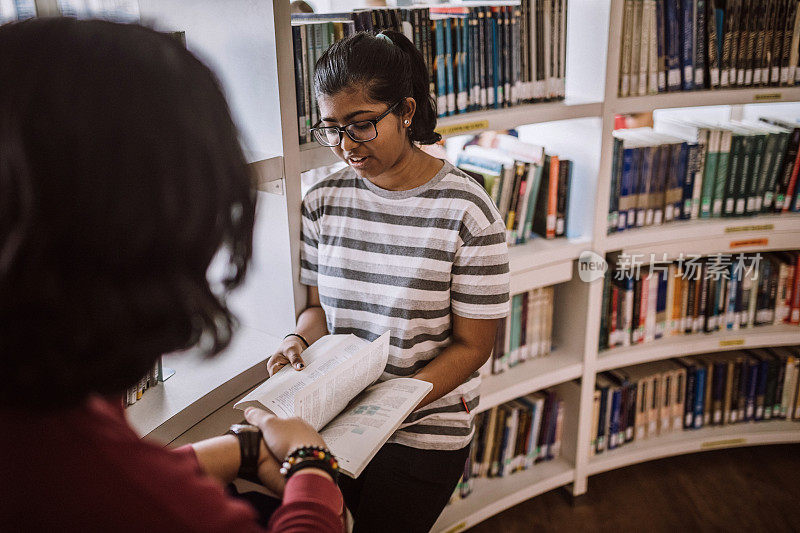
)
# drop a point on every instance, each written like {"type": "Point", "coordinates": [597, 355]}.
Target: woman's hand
{"type": "Point", "coordinates": [283, 435]}
{"type": "Point", "coordinates": [288, 353]}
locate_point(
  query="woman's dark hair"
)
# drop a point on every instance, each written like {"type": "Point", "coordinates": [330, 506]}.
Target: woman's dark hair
{"type": "Point", "coordinates": [121, 177]}
{"type": "Point", "coordinates": [388, 71]}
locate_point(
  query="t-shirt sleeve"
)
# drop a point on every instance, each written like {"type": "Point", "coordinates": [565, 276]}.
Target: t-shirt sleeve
{"type": "Point", "coordinates": [480, 278]}
{"type": "Point", "coordinates": [309, 242]}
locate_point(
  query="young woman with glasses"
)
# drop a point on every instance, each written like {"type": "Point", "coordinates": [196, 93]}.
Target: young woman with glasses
{"type": "Point", "coordinates": [405, 242]}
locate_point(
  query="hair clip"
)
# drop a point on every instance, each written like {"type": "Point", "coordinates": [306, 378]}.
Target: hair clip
{"type": "Point", "coordinates": [385, 38]}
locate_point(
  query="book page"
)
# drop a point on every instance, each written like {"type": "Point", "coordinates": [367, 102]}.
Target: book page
{"type": "Point", "coordinates": [322, 400]}
{"type": "Point", "coordinates": [356, 435]}
{"type": "Point", "coordinates": [277, 394]}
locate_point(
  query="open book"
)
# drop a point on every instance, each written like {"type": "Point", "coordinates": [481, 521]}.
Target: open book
{"type": "Point", "coordinates": [334, 395]}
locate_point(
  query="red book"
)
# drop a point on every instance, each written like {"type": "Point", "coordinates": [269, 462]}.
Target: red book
{"type": "Point", "coordinates": [789, 198]}
{"type": "Point", "coordinates": [552, 198]}
{"type": "Point", "coordinates": [644, 293]}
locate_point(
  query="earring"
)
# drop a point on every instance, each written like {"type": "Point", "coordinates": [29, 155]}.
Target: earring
{"type": "Point", "coordinates": [407, 122]}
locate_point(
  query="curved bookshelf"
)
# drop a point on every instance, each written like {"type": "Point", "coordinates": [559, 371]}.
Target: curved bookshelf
{"type": "Point", "coordinates": [701, 440]}
{"type": "Point", "coordinates": [542, 262]}
{"type": "Point", "coordinates": [698, 343]}
{"type": "Point", "coordinates": [200, 386]}
{"type": "Point", "coordinates": [716, 235]}
{"type": "Point", "coordinates": [314, 156]}
{"type": "Point", "coordinates": [493, 495]}
{"type": "Point", "coordinates": [527, 377]}
{"type": "Point", "coordinates": [759, 95]}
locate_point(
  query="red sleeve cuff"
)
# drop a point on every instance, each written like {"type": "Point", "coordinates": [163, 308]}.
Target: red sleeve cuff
{"type": "Point", "coordinates": [313, 488]}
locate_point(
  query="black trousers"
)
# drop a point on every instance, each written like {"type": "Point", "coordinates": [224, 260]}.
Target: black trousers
{"type": "Point", "coordinates": [403, 489]}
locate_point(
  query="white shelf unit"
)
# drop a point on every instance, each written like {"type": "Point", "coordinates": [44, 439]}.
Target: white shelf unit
{"type": "Point", "coordinates": [700, 440]}
{"type": "Point", "coordinates": [492, 496]}
{"type": "Point", "coordinates": [698, 343]}
{"type": "Point", "coordinates": [245, 43]}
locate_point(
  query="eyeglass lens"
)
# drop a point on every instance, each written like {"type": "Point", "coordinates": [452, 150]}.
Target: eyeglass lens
{"type": "Point", "coordinates": [358, 131]}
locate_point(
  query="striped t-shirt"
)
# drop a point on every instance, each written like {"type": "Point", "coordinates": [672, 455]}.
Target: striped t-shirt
{"type": "Point", "coordinates": [404, 261]}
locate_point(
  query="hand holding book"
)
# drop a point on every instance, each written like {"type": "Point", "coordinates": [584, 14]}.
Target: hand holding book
{"type": "Point", "coordinates": [337, 395]}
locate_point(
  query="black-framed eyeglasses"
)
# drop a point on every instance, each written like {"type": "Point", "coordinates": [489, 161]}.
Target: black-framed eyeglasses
{"type": "Point", "coordinates": [361, 131]}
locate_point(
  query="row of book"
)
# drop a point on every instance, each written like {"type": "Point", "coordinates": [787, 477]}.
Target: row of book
{"type": "Point", "coordinates": [513, 437]}
{"type": "Point", "coordinates": [526, 333]}
{"type": "Point", "coordinates": [134, 393]}
{"type": "Point", "coordinates": [118, 10]}
{"type": "Point", "coordinates": [530, 187]}
{"type": "Point", "coordinates": [478, 57]}
{"type": "Point", "coordinates": [654, 399]}
{"type": "Point", "coordinates": [685, 45]}
{"type": "Point", "coordinates": [642, 304]}
{"type": "Point", "coordinates": [685, 169]}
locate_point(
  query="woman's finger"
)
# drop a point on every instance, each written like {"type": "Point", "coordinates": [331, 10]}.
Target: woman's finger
{"type": "Point", "coordinates": [294, 357]}
{"type": "Point", "coordinates": [276, 362]}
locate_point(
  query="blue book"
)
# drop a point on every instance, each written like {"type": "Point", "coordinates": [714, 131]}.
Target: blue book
{"type": "Point", "coordinates": [761, 389]}
{"type": "Point", "coordinates": [699, 396]}
{"type": "Point", "coordinates": [627, 202]}
{"type": "Point", "coordinates": [693, 168]}
{"type": "Point", "coordinates": [752, 389]}
{"type": "Point", "coordinates": [498, 91]}
{"type": "Point", "coordinates": [634, 183]}
{"type": "Point", "coordinates": [601, 422]}
{"type": "Point", "coordinates": [448, 65]}
{"type": "Point", "coordinates": [677, 182]}
{"type": "Point", "coordinates": [691, 392]}
{"type": "Point", "coordinates": [441, 83]}
{"type": "Point", "coordinates": [614, 421]}
{"type": "Point", "coordinates": [700, 46]}
{"type": "Point", "coordinates": [672, 8]}
{"type": "Point", "coordinates": [644, 183]}
{"type": "Point", "coordinates": [466, 61]}
{"type": "Point", "coordinates": [687, 50]}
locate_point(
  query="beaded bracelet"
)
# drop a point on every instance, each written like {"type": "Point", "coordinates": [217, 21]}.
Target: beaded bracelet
{"type": "Point", "coordinates": [310, 457]}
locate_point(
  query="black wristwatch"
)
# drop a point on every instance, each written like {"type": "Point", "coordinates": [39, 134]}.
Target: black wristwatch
{"type": "Point", "coordinates": [249, 444]}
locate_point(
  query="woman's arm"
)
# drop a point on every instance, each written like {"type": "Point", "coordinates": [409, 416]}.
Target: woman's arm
{"type": "Point", "coordinates": [471, 346]}
{"type": "Point", "coordinates": [311, 325]}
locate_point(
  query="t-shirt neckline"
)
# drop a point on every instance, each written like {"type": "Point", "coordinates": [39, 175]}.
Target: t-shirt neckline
{"type": "Point", "coordinates": [408, 193]}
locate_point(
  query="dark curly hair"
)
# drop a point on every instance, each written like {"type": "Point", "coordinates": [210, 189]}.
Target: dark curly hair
{"type": "Point", "coordinates": [389, 69]}
{"type": "Point", "coordinates": [121, 177]}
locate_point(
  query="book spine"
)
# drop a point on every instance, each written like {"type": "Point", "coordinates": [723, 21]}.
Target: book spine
{"type": "Point", "coordinates": [552, 198]}
{"type": "Point", "coordinates": [700, 45]}
{"type": "Point", "coordinates": [687, 49]}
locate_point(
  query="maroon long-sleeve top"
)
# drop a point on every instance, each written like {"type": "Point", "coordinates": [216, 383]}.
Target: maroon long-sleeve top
{"type": "Point", "coordinates": [84, 469]}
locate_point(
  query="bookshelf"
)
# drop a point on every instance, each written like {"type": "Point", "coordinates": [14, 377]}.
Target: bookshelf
{"type": "Point", "coordinates": [245, 43]}
{"type": "Point", "coordinates": [691, 441]}
{"type": "Point", "coordinates": [679, 345]}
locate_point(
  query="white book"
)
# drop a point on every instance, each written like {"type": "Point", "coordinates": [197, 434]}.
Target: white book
{"type": "Point", "coordinates": [336, 396]}
{"type": "Point", "coordinates": [636, 46]}
{"type": "Point", "coordinates": [625, 53]}
{"type": "Point", "coordinates": [644, 43]}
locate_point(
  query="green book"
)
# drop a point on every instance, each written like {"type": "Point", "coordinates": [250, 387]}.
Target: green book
{"type": "Point", "coordinates": [723, 160]}
{"type": "Point", "coordinates": [516, 314]}
{"type": "Point", "coordinates": [764, 170]}
{"type": "Point", "coordinates": [753, 176]}
{"type": "Point", "coordinates": [781, 146]}
{"type": "Point", "coordinates": [734, 172]}
{"type": "Point", "coordinates": [710, 172]}
{"type": "Point", "coordinates": [746, 169]}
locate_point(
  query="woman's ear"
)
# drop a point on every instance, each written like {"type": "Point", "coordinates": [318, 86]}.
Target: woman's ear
{"type": "Point", "coordinates": [409, 108]}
